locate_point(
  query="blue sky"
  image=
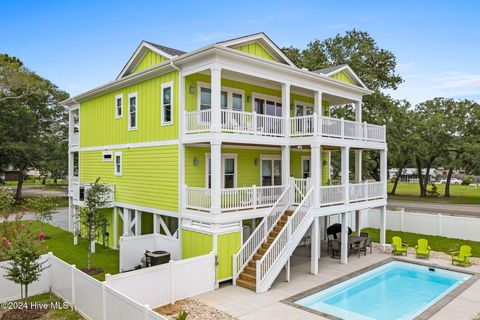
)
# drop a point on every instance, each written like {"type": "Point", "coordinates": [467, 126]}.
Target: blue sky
{"type": "Point", "coordinates": [81, 44]}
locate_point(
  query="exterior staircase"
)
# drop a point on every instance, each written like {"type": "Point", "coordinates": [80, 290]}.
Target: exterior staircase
{"type": "Point", "coordinates": [268, 249]}
{"type": "Point", "coordinates": [247, 278]}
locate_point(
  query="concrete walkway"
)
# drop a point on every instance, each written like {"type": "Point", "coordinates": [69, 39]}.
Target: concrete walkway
{"type": "Point", "coordinates": [432, 207]}
{"type": "Point", "coordinates": [245, 304]}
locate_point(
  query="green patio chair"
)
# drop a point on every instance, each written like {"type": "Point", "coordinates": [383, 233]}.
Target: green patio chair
{"type": "Point", "coordinates": [398, 246]}
{"type": "Point", "coordinates": [463, 256]}
{"type": "Point", "coordinates": [422, 248]}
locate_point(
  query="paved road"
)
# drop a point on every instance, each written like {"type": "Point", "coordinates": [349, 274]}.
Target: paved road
{"type": "Point", "coordinates": [38, 190]}
{"type": "Point", "coordinates": [431, 207]}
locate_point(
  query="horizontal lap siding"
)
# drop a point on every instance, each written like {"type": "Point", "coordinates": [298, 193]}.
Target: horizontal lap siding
{"type": "Point", "coordinates": [149, 175]}
{"type": "Point", "coordinates": [99, 127]}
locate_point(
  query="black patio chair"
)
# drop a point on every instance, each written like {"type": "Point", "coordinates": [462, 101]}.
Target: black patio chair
{"type": "Point", "coordinates": [364, 234]}
{"type": "Point", "coordinates": [360, 247]}
{"type": "Point", "coordinates": [335, 247]}
{"type": "Point", "coordinates": [368, 244]}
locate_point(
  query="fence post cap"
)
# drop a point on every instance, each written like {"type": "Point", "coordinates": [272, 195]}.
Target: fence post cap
{"type": "Point", "coordinates": [74, 266]}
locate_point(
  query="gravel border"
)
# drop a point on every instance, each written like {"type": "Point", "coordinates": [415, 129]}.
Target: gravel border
{"type": "Point", "coordinates": [198, 311]}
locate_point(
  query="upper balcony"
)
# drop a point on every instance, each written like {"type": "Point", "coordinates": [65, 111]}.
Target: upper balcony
{"type": "Point", "coordinates": [251, 123]}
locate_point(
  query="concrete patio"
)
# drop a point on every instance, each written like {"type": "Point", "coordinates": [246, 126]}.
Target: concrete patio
{"type": "Point", "coordinates": [246, 304]}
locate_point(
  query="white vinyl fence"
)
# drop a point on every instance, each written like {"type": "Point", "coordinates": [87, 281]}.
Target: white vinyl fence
{"type": "Point", "coordinates": [127, 296]}
{"type": "Point", "coordinates": [458, 227]}
{"type": "Point", "coordinates": [132, 249]}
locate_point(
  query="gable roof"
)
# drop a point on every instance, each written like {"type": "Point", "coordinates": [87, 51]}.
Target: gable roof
{"type": "Point", "coordinates": [263, 40]}
{"type": "Point", "coordinates": [342, 68]}
{"type": "Point", "coordinates": [142, 49]}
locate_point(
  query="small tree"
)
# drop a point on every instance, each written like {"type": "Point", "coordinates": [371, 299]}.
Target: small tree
{"type": "Point", "coordinates": [43, 207]}
{"type": "Point", "coordinates": [23, 253]}
{"type": "Point", "coordinates": [91, 216]}
{"type": "Point", "coordinates": [6, 203]}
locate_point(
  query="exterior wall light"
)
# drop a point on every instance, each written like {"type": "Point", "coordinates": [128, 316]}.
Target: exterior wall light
{"type": "Point", "coordinates": [255, 162]}
{"type": "Point", "coordinates": [191, 89]}
{"type": "Point", "coordinates": [196, 161]}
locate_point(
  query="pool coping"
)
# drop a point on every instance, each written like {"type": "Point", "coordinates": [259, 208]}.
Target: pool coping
{"type": "Point", "coordinates": [437, 306]}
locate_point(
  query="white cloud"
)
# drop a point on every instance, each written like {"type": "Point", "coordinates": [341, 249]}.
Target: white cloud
{"type": "Point", "coordinates": [454, 84]}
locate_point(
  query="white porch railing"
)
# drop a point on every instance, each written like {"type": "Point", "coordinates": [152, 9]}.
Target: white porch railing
{"type": "Point", "coordinates": [331, 195]}
{"type": "Point", "coordinates": [300, 188]}
{"type": "Point", "coordinates": [233, 198]}
{"type": "Point", "coordinates": [265, 125]}
{"type": "Point", "coordinates": [79, 189]}
{"type": "Point", "coordinates": [199, 121]}
{"type": "Point", "coordinates": [259, 236]}
{"type": "Point", "coordinates": [74, 139]}
{"type": "Point", "coordinates": [335, 128]}
{"type": "Point", "coordinates": [282, 240]}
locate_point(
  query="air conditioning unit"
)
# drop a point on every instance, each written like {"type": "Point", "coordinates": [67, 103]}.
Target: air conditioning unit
{"type": "Point", "coordinates": [155, 258]}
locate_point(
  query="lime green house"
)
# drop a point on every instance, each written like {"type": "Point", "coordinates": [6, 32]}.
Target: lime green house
{"type": "Point", "coordinates": [207, 150]}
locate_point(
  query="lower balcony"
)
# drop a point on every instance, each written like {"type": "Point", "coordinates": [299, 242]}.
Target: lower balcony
{"type": "Point", "coordinates": [245, 198]}
{"type": "Point", "coordinates": [79, 190]}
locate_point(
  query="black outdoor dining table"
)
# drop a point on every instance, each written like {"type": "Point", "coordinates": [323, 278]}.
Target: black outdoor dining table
{"type": "Point", "coordinates": [352, 240]}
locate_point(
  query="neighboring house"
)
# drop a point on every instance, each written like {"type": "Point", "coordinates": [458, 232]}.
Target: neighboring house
{"type": "Point", "coordinates": [411, 174]}
{"type": "Point", "coordinates": [197, 145]}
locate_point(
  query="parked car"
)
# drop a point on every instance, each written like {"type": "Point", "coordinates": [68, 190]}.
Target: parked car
{"type": "Point", "coordinates": [452, 181]}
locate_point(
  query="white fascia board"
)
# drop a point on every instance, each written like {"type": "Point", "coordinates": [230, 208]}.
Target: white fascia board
{"type": "Point", "coordinates": [137, 56]}
{"type": "Point", "coordinates": [267, 44]}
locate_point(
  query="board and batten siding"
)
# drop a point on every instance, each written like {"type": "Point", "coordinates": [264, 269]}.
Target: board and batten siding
{"type": "Point", "coordinates": [255, 49]}
{"type": "Point", "coordinates": [149, 175]}
{"type": "Point", "coordinates": [149, 59]}
{"type": "Point", "coordinates": [342, 76]}
{"type": "Point", "coordinates": [227, 245]}
{"type": "Point", "coordinates": [100, 127]}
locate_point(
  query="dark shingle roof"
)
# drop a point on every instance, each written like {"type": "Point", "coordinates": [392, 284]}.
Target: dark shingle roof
{"type": "Point", "coordinates": [329, 69]}
{"type": "Point", "coordinates": [168, 50]}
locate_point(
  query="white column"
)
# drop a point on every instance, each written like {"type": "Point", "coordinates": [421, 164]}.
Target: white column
{"type": "Point", "coordinates": [345, 171]}
{"type": "Point", "coordinates": [138, 222]}
{"type": "Point", "coordinates": [216, 167]}
{"type": "Point", "coordinates": [358, 223]}
{"type": "Point", "coordinates": [358, 111]}
{"type": "Point", "coordinates": [285, 165]}
{"type": "Point", "coordinates": [156, 224]}
{"type": "Point", "coordinates": [315, 162]}
{"type": "Point", "coordinates": [115, 228]}
{"type": "Point", "coordinates": [318, 110]}
{"type": "Point", "coordinates": [216, 87]}
{"type": "Point", "coordinates": [383, 226]}
{"type": "Point", "coordinates": [126, 222]}
{"type": "Point", "coordinates": [315, 246]}
{"type": "Point", "coordinates": [383, 169]}
{"type": "Point", "coordinates": [358, 166]}
{"type": "Point", "coordinates": [344, 246]}
{"type": "Point", "coordinates": [286, 106]}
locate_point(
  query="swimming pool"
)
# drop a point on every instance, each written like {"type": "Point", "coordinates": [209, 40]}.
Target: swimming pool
{"type": "Point", "coordinates": [395, 290]}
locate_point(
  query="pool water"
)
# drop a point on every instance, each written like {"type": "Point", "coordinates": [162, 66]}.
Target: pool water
{"type": "Point", "coordinates": [396, 290]}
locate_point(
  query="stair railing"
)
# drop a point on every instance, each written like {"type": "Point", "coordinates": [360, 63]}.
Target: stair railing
{"type": "Point", "coordinates": [259, 236]}
{"type": "Point", "coordinates": [282, 239]}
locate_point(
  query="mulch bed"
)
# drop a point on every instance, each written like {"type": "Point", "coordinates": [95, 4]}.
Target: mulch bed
{"type": "Point", "coordinates": [24, 314]}
{"type": "Point", "coordinates": [92, 271]}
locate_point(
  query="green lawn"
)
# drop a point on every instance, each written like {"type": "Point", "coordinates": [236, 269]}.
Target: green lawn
{"type": "Point", "coordinates": [459, 194]}
{"type": "Point", "coordinates": [31, 182]}
{"type": "Point", "coordinates": [61, 313]}
{"type": "Point", "coordinates": [61, 244]}
{"type": "Point", "coordinates": [437, 243]}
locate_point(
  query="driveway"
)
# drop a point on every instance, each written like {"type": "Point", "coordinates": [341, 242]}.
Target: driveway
{"type": "Point", "coordinates": [431, 207]}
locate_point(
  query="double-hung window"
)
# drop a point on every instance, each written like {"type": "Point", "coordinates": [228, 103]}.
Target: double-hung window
{"type": "Point", "coordinates": [228, 169]}
{"type": "Point", "coordinates": [118, 164]}
{"type": "Point", "coordinates": [132, 111]}
{"type": "Point", "coordinates": [119, 106]}
{"type": "Point", "coordinates": [230, 98]}
{"type": "Point", "coordinates": [167, 103]}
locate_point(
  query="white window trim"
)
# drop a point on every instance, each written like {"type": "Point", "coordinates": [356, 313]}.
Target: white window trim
{"type": "Point", "coordinates": [162, 87]}
{"type": "Point", "coordinates": [107, 153]}
{"type": "Point", "coordinates": [130, 95]}
{"type": "Point", "coordinates": [303, 104]}
{"type": "Point", "coordinates": [230, 91]}
{"type": "Point", "coordinates": [267, 157]}
{"type": "Point", "coordinates": [119, 96]}
{"type": "Point", "coordinates": [118, 174]}
{"type": "Point", "coordinates": [222, 169]}
{"type": "Point", "coordinates": [306, 158]}
{"type": "Point", "coordinates": [256, 95]}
